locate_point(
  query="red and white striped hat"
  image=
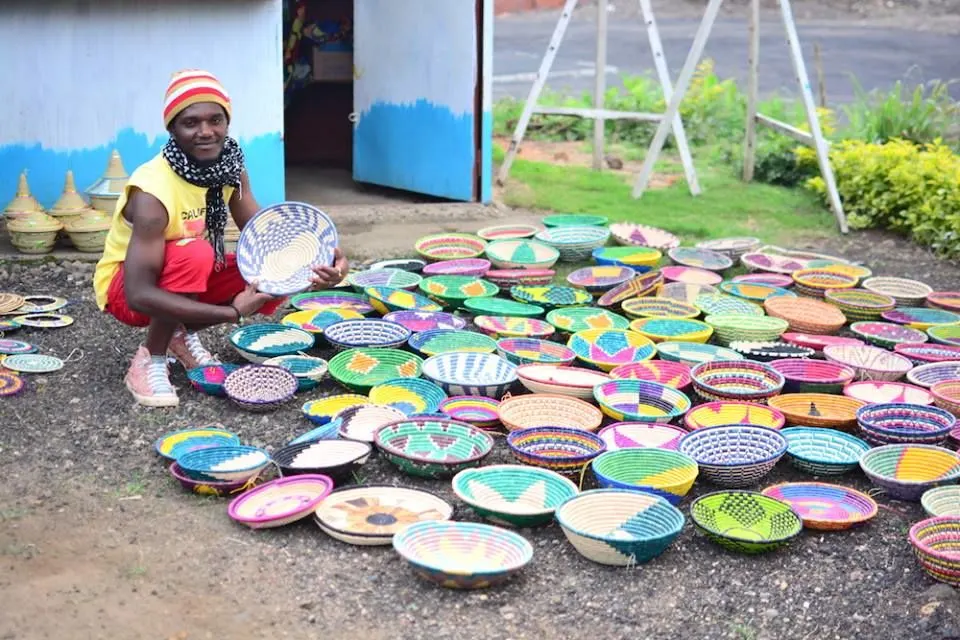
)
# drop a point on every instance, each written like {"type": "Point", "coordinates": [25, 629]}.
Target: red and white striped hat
{"type": "Point", "coordinates": [190, 87]}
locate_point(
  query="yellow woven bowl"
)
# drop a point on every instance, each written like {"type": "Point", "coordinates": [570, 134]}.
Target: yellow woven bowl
{"type": "Point", "coordinates": [673, 329]}
{"type": "Point", "coordinates": [818, 410]}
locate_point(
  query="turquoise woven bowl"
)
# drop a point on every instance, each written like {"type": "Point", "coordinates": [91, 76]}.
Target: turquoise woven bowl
{"type": "Point", "coordinates": [260, 342]}
{"type": "Point", "coordinates": [433, 447]}
{"type": "Point", "coordinates": [513, 495]}
{"type": "Point", "coordinates": [823, 452]}
{"type": "Point", "coordinates": [408, 395]}
{"type": "Point", "coordinates": [234, 463]}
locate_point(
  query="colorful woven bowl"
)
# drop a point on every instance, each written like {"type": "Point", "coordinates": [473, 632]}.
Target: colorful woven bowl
{"type": "Point", "coordinates": [176, 443]}
{"type": "Point", "coordinates": [318, 320]}
{"type": "Point", "coordinates": [436, 341]}
{"type": "Point", "coordinates": [899, 423]}
{"type": "Point", "coordinates": [370, 515]}
{"type": "Point", "coordinates": [476, 267]}
{"type": "Point", "coordinates": [638, 235]}
{"type": "Point", "coordinates": [721, 303]}
{"type": "Point", "coordinates": [823, 452]}
{"type": "Point", "coordinates": [326, 300]}
{"type": "Point", "coordinates": [935, 542]}
{"type": "Point", "coordinates": [582, 318]}
{"type": "Point", "coordinates": [210, 487]}
{"type": "Point", "coordinates": [417, 321]}
{"type": "Point", "coordinates": [500, 307]}
{"type": "Point", "coordinates": [735, 455]}
{"type": "Point", "coordinates": [745, 521]}
{"type": "Point", "coordinates": [209, 379]}
{"type": "Point", "coordinates": [513, 495]}
{"type": "Point", "coordinates": [450, 246]}
{"type": "Point", "coordinates": [885, 392]}
{"type": "Point", "coordinates": [308, 370]}
{"type": "Point", "coordinates": [463, 555]}
{"type": "Point", "coordinates": [393, 278]}
{"type": "Point", "coordinates": [925, 353]}
{"type": "Point", "coordinates": [713, 414]}
{"type": "Point", "coordinates": [575, 244]}
{"type": "Point", "coordinates": [813, 376]}
{"type": "Point", "coordinates": [259, 342]}
{"type": "Point", "coordinates": [816, 282]}
{"type": "Point", "coordinates": [471, 374]}
{"type": "Point", "coordinates": [414, 265]}
{"type": "Point", "coordinates": [700, 258]}
{"type": "Point", "coordinates": [560, 380]}
{"type": "Point", "coordinates": [806, 315]}
{"type": "Point", "coordinates": [740, 380]}
{"type": "Point", "coordinates": [690, 275]}
{"type": "Point", "coordinates": [644, 284]}
{"type": "Point", "coordinates": [236, 463]}
{"type": "Point", "coordinates": [772, 263]}
{"type": "Point", "coordinates": [619, 527]}
{"type": "Point", "coordinates": [629, 435]}
{"type": "Point", "coordinates": [408, 395]}
{"type": "Point", "coordinates": [551, 296]}
{"type": "Point", "coordinates": [478, 411]}
{"type": "Point", "coordinates": [857, 271]}
{"type": "Point", "coordinates": [640, 401]}
{"type": "Point", "coordinates": [732, 247]}
{"type": "Point", "coordinates": [886, 334]}
{"type": "Point", "coordinates": [596, 280]}
{"type": "Point", "coordinates": [451, 291]}
{"type": "Point", "coordinates": [546, 410]}
{"type": "Point", "coordinates": [514, 327]}
{"type": "Point", "coordinates": [692, 354]}
{"type": "Point", "coordinates": [324, 410]}
{"type": "Point", "coordinates": [260, 387]}
{"type": "Point", "coordinates": [360, 369]}
{"type": "Point", "coordinates": [328, 431]}
{"type": "Point", "coordinates": [948, 334]}
{"type": "Point", "coordinates": [521, 254]}
{"type": "Point", "coordinates": [778, 280]}
{"type": "Point", "coordinates": [574, 220]}
{"type": "Point", "coordinates": [770, 351]}
{"type": "Point", "coordinates": [755, 292]}
{"type": "Point", "coordinates": [506, 278]}
{"type": "Point", "coordinates": [660, 472]}
{"type": "Point", "coordinates": [870, 363]}
{"type": "Point", "coordinates": [907, 293]}
{"type": "Point", "coordinates": [559, 449]}
{"type": "Point", "coordinates": [640, 258]}
{"type": "Point", "coordinates": [941, 501]}
{"type": "Point", "coordinates": [366, 332]}
{"type": "Point", "coordinates": [860, 304]}
{"type": "Point", "coordinates": [948, 300]}
{"type": "Point", "coordinates": [673, 374]}
{"type": "Point", "coordinates": [385, 300]}
{"type": "Point", "coordinates": [433, 448]}
{"type": "Point", "coordinates": [927, 375]}
{"type": "Point", "coordinates": [825, 507]}
{"type": "Point", "coordinates": [336, 459]}
{"type": "Point", "coordinates": [531, 350]}
{"type": "Point", "coordinates": [731, 327]}
{"type": "Point", "coordinates": [508, 232]}
{"type": "Point", "coordinates": [362, 423]}
{"type": "Point", "coordinates": [946, 395]}
{"type": "Point", "coordinates": [686, 293]}
{"type": "Point", "coordinates": [606, 349]}
{"type": "Point", "coordinates": [818, 410]}
{"type": "Point", "coordinates": [642, 308]}
{"type": "Point", "coordinates": [818, 342]}
{"type": "Point", "coordinates": [906, 471]}
{"type": "Point", "coordinates": [280, 501]}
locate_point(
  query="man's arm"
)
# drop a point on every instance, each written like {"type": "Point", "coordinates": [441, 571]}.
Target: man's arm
{"type": "Point", "coordinates": [144, 264]}
{"type": "Point", "coordinates": [243, 205]}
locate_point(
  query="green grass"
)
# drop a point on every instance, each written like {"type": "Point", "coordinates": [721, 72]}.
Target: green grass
{"type": "Point", "coordinates": [727, 206]}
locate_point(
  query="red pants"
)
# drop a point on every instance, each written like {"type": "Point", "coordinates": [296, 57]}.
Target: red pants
{"type": "Point", "coordinates": [187, 269]}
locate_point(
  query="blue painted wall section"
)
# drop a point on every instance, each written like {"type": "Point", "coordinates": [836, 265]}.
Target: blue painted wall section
{"type": "Point", "coordinates": [486, 158]}
{"type": "Point", "coordinates": [440, 162]}
{"type": "Point", "coordinates": [46, 168]}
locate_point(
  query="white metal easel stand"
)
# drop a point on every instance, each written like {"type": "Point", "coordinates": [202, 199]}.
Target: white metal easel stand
{"type": "Point", "coordinates": [598, 113]}
{"type": "Point", "coordinates": [814, 139]}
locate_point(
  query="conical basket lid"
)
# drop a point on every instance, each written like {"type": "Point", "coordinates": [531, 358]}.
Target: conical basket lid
{"type": "Point", "coordinates": [113, 180]}
{"type": "Point", "coordinates": [89, 223]}
{"type": "Point", "coordinates": [23, 202]}
{"type": "Point", "coordinates": [70, 201]}
{"type": "Point", "coordinates": [35, 221]}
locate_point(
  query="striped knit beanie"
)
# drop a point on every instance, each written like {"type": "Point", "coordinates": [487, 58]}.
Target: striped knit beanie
{"type": "Point", "coordinates": [191, 87]}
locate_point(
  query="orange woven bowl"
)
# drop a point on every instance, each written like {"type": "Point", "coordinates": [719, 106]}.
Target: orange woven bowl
{"type": "Point", "coordinates": [818, 410]}
{"type": "Point", "coordinates": [548, 410]}
{"type": "Point", "coordinates": [806, 315]}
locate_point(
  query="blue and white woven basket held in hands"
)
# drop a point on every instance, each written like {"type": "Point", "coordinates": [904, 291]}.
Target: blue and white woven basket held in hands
{"type": "Point", "coordinates": [279, 247]}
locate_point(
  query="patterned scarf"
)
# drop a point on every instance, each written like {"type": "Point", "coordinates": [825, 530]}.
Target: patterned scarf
{"type": "Point", "coordinates": [224, 172]}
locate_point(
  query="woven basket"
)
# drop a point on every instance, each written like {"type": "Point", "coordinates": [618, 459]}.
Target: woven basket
{"type": "Point", "coordinates": [926, 353]}
{"type": "Point", "coordinates": [818, 410]}
{"type": "Point", "coordinates": [887, 335]}
{"type": "Point", "coordinates": [171, 446]}
{"type": "Point", "coordinates": [335, 299]}
{"type": "Point", "coordinates": [521, 254]}
{"type": "Point", "coordinates": [560, 380]}
{"type": "Point", "coordinates": [471, 374]}
{"type": "Point", "coordinates": [714, 414]}
{"type": "Point", "coordinates": [823, 452]}
{"type": "Point", "coordinates": [433, 448]}
{"type": "Point", "coordinates": [860, 304]}
{"type": "Point", "coordinates": [692, 354]}
{"type": "Point", "coordinates": [208, 488]}
{"type": "Point", "coordinates": [417, 321]}
{"type": "Point", "coordinates": [825, 507]}
{"type": "Point", "coordinates": [700, 258]}
{"type": "Point", "coordinates": [508, 232]}
{"type": "Point", "coordinates": [478, 411]}
{"type": "Point", "coordinates": [506, 278]}
{"type": "Point", "coordinates": [746, 522]}
{"type": "Point", "coordinates": [898, 423]}
{"type": "Point", "coordinates": [596, 280]}
{"type": "Point", "coordinates": [816, 282]}
{"type": "Point", "coordinates": [907, 293]}
{"type": "Point", "coordinates": [280, 501]}
{"type": "Point", "coordinates": [360, 369]}
{"type": "Point", "coordinates": [946, 395]}
{"type": "Point", "coordinates": [259, 342]}
{"type": "Point", "coordinates": [771, 351]}
{"type": "Point", "coordinates": [941, 501]}
{"type": "Point", "coordinates": [548, 410]}
{"type": "Point", "coordinates": [686, 293]}
{"type": "Point", "coordinates": [582, 318]}
{"type": "Point", "coordinates": [366, 332]}
{"type": "Point", "coordinates": [721, 303]}
{"type": "Point", "coordinates": [663, 473]}
{"type": "Point", "coordinates": [729, 328]}
{"type": "Point", "coordinates": [813, 376]}
{"type": "Point", "coordinates": [531, 350]}
{"type": "Point", "coordinates": [818, 342]}
{"type": "Point", "coordinates": [324, 410]}
{"type": "Point", "coordinates": [362, 423]}
{"type": "Point", "coordinates": [337, 459]}
{"type": "Point", "coordinates": [922, 319]}
{"type": "Point", "coordinates": [561, 449]}
{"type": "Point", "coordinates": [945, 334]}
{"type": "Point", "coordinates": [673, 374]}
{"type": "Point", "coordinates": [779, 280]}
{"type": "Point", "coordinates": [755, 292]}
{"type": "Point", "coordinates": [771, 263]}
{"type": "Point", "coordinates": [643, 285]}
{"type": "Point", "coordinates": [732, 247]}
{"type": "Point", "coordinates": [638, 235]}
{"type": "Point", "coordinates": [512, 327]}
{"type": "Point", "coordinates": [453, 290]}
{"type": "Point", "coordinates": [393, 278]}
{"type": "Point", "coordinates": [550, 296]}
{"type": "Point", "coordinates": [209, 379]}
{"type": "Point", "coordinates": [927, 375]}
{"type": "Point", "coordinates": [316, 321]}
{"type": "Point", "coordinates": [574, 220]}
{"type": "Point", "coordinates": [499, 306]}
{"type": "Point", "coordinates": [885, 392]}
{"type": "Point", "coordinates": [935, 542]}
{"type": "Point", "coordinates": [308, 370]}
{"type": "Point", "coordinates": [633, 435]}
{"type": "Point", "coordinates": [640, 258]}
{"type": "Point", "coordinates": [806, 315]}
{"type": "Point", "coordinates": [619, 528]}
{"type": "Point", "coordinates": [575, 244]}
{"type": "Point", "coordinates": [385, 300]}
{"type": "Point", "coordinates": [450, 246]}
{"type": "Point", "coordinates": [260, 387]}
{"type": "Point", "coordinates": [640, 401]}
{"type": "Point", "coordinates": [906, 471]}
{"type": "Point", "coordinates": [606, 349]}
{"type": "Point", "coordinates": [476, 267]}
{"type": "Point", "coordinates": [949, 300]}
{"type": "Point", "coordinates": [236, 463]}
{"type": "Point", "coordinates": [690, 275]}
{"type": "Point", "coordinates": [513, 495]}
{"type": "Point", "coordinates": [436, 341]}
{"type": "Point", "coordinates": [408, 395]}
{"type": "Point", "coordinates": [672, 329]}
{"type": "Point", "coordinates": [659, 308]}
{"type": "Point", "coordinates": [736, 455]}
{"type": "Point", "coordinates": [870, 363]}
{"type": "Point", "coordinates": [736, 380]}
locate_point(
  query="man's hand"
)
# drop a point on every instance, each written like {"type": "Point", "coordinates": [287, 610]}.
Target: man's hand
{"type": "Point", "coordinates": [327, 277]}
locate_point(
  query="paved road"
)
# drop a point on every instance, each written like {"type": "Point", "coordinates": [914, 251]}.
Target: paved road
{"type": "Point", "coordinates": [878, 57]}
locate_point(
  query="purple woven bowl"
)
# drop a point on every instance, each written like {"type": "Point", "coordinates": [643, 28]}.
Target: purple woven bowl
{"type": "Point", "coordinates": [461, 267]}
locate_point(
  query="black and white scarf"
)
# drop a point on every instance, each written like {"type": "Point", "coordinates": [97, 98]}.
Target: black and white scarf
{"type": "Point", "coordinates": [224, 172]}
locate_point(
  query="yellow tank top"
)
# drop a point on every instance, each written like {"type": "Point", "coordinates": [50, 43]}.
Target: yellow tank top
{"type": "Point", "coordinates": [186, 206]}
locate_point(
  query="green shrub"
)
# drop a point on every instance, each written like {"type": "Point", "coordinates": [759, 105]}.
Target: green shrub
{"type": "Point", "coordinates": [927, 114]}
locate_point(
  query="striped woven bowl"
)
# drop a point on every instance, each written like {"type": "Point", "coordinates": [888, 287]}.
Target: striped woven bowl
{"type": "Point", "coordinates": [546, 409]}
{"type": "Point", "coordinates": [366, 332]}
{"type": "Point", "coordinates": [741, 380]}
{"type": "Point", "coordinates": [898, 423]}
{"type": "Point", "coordinates": [946, 395]}
{"type": "Point", "coordinates": [925, 353]}
{"type": "Point", "coordinates": [435, 341]}
{"type": "Point", "coordinates": [732, 327]}
{"type": "Point", "coordinates": [638, 257]}
{"type": "Point", "coordinates": [450, 246]}
{"type": "Point", "coordinates": [308, 370]}
{"type": "Point", "coordinates": [813, 376]}
{"type": "Point", "coordinates": [236, 463]}
{"type": "Point", "coordinates": [860, 304]}
{"type": "Point", "coordinates": [736, 455]}
{"type": "Point", "coordinates": [906, 471]}
{"type": "Point", "coordinates": [471, 374]}
{"type": "Point", "coordinates": [714, 414]}
{"type": "Point", "coordinates": [508, 232]}
{"type": "Point", "coordinates": [660, 472]}
{"type": "Point", "coordinates": [658, 308]}
{"type": "Point", "coordinates": [818, 410]}
{"type": "Point", "coordinates": [823, 452]}
{"type": "Point", "coordinates": [927, 375]}
{"type": "Point", "coordinates": [513, 495]}
{"type": "Point", "coordinates": [816, 282]}
{"type": "Point", "coordinates": [673, 374]}
{"type": "Point", "coordinates": [559, 449]}
{"type": "Point", "coordinates": [640, 401]}
{"type": "Point", "coordinates": [532, 350]}
{"type": "Point", "coordinates": [935, 542]}
{"type": "Point", "coordinates": [478, 411]}
{"type": "Point", "coordinates": [825, 507]}
{"type": "Point", "coordinates": [907, 293]}
{"type": "Point", "coordinates": [672, 329]}
{"type": "Point", "coordinates": [941, 501]}
{"type": "Point", "coordinates": [476, 267]}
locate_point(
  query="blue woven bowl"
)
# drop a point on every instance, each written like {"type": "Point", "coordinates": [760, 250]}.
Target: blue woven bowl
{"type": "Point", "coordinates": [209, 379]}
{"type": "Point", "coordinates": [471, 374]}
{"type": "Point", "coordinates": [902, 423]}
{"type": "Point", "coordinates": [308, 370]}
{"type": "Point", "coordinates": [224, 464]}
{"type": "Point", "coordinates": [260, 342]}
{"type": "Point", "coordinates": [735, 455]}
{"type": "Point", "coordinates": [640, 400]}
{"type": "Point", "coordinates": [282, 243]}
{"type": "Point", "coordinates": [369, 332]}
{"type": "Point", "coordinates": [409, 395]}
{"type": "Point", "coordinates": [823, 452]}
{"type": "Point", "coordinates": [177, 443]}
{"type": "Point", "coordinates": [327, 431]}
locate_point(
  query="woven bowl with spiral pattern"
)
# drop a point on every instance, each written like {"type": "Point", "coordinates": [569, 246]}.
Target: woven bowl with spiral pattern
{"type": "Point", "coordinates": [659, 308]}
{"type": "Point", "coordinates": [818, 410]}
{"type": "Point", "coordinates": [367, 332]}
{"type": "Point", "coordinates": [823, 452]}
{"type": "Point", "coordinates": [450, 246]}
{"type": "Point", "coordinates": [259, 342]}
{"type": "Point", "coordinates": [735, 455]}
{"type": "Point", "coordinates": [900, 423]}
{"type": "Point", "coordinates": [575, 244]}
{"type": "Point", "coordinates": [260, 387]}
{"type": "Point", "coordinates": [561, 449]}
{"type": "Point", "coordinates": [640, 400]}
{"type": "Point", "coordinates": [548, 410]}
{"type": "Point", "coordinates": [906, 471]}
{"type": "Point", "coordinates": [736, 380]}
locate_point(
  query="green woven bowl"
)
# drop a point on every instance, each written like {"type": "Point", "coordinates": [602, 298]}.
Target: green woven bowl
{"type": "Point", "coordinates": [574, 220]}
{"type": "Point", "coordinates": [513, 495]}
{"type": "Point", "coordinates": [433, 447]}
{"type": "Point", "coordinates": [551, 296]}
{"type": "Point", "coordinates": [721, 303]}
{"type": "Point", "coordinates": [733, 327]}
{"type": "Point", "coordinates": [582, 318]}
{"type": "Point", "coordinates": [745, 521]}
{"type": "Point", "coordinates": [361, 369]}
{"type": "Point", "coordinates": [434, 341]}
{"type": "Point", "coordinates": [451, 291]}
{"type": "Point", "coordinates": [501, 307]}
{"type": "Point", "coordinates": [521, 254]}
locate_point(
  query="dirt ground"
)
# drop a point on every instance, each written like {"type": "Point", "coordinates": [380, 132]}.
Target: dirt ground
{"type": "Point", "coordinates": [94, 532]}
